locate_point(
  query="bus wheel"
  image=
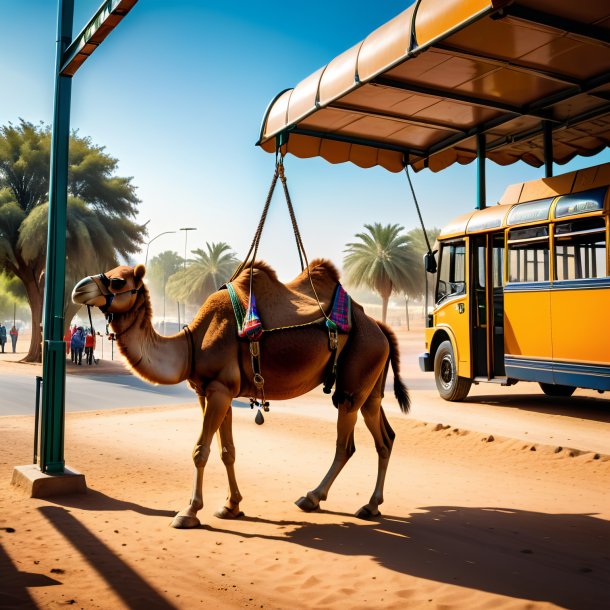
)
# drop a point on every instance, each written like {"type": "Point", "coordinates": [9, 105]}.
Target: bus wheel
{"type": "Point", "coordinates": [558, 391]}
{"type": "Point", "coordinates": [449, 385]}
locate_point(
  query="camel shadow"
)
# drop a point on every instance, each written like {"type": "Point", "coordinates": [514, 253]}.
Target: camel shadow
{"type": "Point", "coordinates": [98, 501]}
{"type": "Point", "coordinates": [558, 558]}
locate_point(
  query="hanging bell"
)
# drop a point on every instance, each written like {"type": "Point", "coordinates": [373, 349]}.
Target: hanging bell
{"type": "Point", "coordinates": [259, 419]}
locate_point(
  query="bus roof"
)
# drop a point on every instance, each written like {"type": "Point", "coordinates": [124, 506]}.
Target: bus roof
{"type": "Point", "coordinates": [424, 86]}
{"type": "Point", "coordinates": [523, 194]}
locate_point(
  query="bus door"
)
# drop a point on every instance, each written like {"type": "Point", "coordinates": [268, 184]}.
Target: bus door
{"type": "Point", "coordinates": [487, 315]}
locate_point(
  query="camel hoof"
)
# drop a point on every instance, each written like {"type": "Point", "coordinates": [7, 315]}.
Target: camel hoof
{"type": "Point", "coordinates": [183, 522]}
{"type": "Point", "coordinates": [307, 505]}
{"type": "Point", "coordinates": [227, 513]}
{"type": "Point", "coordinates": [367, 514]}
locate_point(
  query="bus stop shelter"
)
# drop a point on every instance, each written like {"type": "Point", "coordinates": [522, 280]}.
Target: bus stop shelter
{"type": "Point", "coordinates": [458, 81]}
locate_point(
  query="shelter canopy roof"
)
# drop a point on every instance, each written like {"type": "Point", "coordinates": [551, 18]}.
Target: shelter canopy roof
{"type": "Point", "coordinates": [423, 86]}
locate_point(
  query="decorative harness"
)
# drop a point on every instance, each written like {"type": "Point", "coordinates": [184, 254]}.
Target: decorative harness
{"type": "Point", "coordinates": [248, 321]}
{"type": "Point", "coordinates": [250, 327]}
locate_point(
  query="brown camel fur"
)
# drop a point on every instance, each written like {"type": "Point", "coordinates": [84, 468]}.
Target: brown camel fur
{"type": "Point", "coordinates": [216, 363]}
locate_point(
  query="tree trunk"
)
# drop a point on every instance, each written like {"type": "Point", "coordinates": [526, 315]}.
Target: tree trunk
{"type": "Point", "coordinates": [384, 308]}
{"type": "Point", "coordinates": [35, 299]}
{"type": "Point", "coordinates": [70, 310]}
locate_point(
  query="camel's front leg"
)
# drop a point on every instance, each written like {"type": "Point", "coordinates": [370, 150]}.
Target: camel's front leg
{"type": "Point", "coordinates": [346, 422]}
{"type": "Point", "coordinates": [214, 411]}
{"type": "Point", "coordinates": [227, 454]}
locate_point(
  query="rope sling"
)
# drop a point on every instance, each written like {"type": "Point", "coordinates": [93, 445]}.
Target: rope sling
{"type": "Point", "coordinates": [249, 324]}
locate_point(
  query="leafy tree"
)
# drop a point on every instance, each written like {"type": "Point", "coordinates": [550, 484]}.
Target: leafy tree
{"type": "Point", "coordinates": [158, 272]}
{"type": "Point", "coordinates": [204, 274]}
{"type": "Point", "coordinates": [382, 261]}
{"type": "Point", "coordinates": [101, 208]}
{"type": "Point", "coordinates": [12, 296]}
{"type": "Point", "coordinates": [161, 268]}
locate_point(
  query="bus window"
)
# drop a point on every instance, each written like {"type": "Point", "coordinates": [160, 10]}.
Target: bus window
{"type": "Point", "coordinates": [528, 255]}
{"type": "Point", "coordinates": [580, 249]}
{"type": "Point", "coordinates": [452, 270]}
{"type": "Point", "coordinates": [498, 262]}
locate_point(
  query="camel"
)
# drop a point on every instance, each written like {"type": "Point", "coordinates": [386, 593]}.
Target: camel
{"type": "Point", "coordinates": [217, 364]}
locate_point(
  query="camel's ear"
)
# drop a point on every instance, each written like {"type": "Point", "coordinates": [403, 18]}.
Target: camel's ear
{"type": "Point", "coordinates": [139, 271]}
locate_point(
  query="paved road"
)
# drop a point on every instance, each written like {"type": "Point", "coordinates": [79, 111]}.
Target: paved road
{"type": "Point", "coordinates": [522, 411]}
{"type": "Point", "coordinates": [90, 393]}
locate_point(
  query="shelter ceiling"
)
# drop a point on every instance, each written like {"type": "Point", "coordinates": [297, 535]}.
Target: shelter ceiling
{"type": "Point", "coordinates": [423, 86]}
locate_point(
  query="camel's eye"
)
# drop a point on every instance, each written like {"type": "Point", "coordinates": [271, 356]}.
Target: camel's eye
{"type": "Point", "coordinates": [116, 283]}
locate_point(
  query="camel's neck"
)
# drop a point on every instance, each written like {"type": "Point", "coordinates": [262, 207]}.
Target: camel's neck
{"type": "Point", "coordinates": [165, 360]}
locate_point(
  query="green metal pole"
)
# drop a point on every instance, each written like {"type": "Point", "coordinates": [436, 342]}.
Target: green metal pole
{"type": "Point", "coordinates": [481, 194]}
{"type": "Point", "coordinates": [54, 353]}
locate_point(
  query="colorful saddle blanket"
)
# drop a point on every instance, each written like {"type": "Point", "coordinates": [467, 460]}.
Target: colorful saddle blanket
{"type": "Point", "coordinates": [249, 325]}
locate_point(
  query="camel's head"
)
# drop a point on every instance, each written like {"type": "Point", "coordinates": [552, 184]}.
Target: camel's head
{"type": "Point", "coordinates": [113, 292]}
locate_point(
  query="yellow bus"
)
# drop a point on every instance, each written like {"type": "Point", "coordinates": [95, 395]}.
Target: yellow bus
{"type": "Point", "coordinates": [522, 290]}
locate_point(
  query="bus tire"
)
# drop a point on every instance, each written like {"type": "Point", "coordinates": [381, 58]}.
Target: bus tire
{"type": "Point", "coordinates": [449, 385]}
{"type": "Point", "coordinates": [557, 391]}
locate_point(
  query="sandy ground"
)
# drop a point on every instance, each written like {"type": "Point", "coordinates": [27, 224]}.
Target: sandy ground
{"type": "Point", "coordinates": [470, 520]}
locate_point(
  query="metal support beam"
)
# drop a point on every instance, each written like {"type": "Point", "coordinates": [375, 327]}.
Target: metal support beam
{"type": "Point", "coordinates": [106, 18]}
{"type": "Point", "coordinates": [547, 135]}
{"type": "Point", "coordinates": [337, 137]}
{"type": "Point", "coordinates": [481, 194]}
{"type": "Point", "coordinates": [393, 116]}
{"type": "Point", "coordinates": [589, 31]}
{"type": "Point", "coordinates": [510, 64]}
{"type": "Point", "coordinates": [457, 96]}
{"type": "Point", "coordinates": [54, 349]}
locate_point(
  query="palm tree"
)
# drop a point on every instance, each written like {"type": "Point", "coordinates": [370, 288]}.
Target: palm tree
{"type": "Point", "coordinates": [382, 261]}
{"type": "Point", "coordinates": [101, 207]}
{"type": "Point", "coordinates": [204, 274]}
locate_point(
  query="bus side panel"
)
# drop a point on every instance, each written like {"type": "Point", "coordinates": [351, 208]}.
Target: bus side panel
{"type": "Point", "coordinates": [527, 332]}
{"type": "Point", "coordinates": [581, 334]}
{"type": "Point", "coordinates": [454, 316]}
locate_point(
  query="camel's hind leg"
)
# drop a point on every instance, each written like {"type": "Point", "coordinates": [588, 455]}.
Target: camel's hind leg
{"type": "Point", "coordinates": [345, 449]}
{"type": "Point", "coordinates": [227, 454]}
{"type": "Point", "coordinates": [214, 412]}
{"type": "Point", "coordinates": [383, 435]}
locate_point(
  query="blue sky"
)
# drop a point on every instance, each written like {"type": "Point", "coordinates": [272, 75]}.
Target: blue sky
{"type": "Point", "coordinates": [177, 93]}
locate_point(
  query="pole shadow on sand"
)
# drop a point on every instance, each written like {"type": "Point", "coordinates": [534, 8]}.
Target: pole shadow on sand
{"type": "Point", "coordinates": [124, 580]}
{"type": "Point", "coordinates": [559, 558]}
{"type": "Point", "coordinates": [97, 501]}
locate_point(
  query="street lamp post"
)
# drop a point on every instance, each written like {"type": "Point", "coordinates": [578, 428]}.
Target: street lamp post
{"type": "Point", "coordinates": [151, 241]}
{"type": "Point", "coordinates": [186, 230]}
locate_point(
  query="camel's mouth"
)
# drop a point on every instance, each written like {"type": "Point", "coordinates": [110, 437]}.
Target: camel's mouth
{"type": "Point", "coordinates": [87, 292]}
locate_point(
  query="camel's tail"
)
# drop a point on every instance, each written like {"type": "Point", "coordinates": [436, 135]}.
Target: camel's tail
{"type": "Point", "coordinates": [400, 389]}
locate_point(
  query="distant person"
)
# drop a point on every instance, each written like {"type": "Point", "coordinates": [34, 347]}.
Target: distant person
{"type": "Point", "coordinates": [77, 344]}
{"type": "Point", "coordinates": [72, 333]}
{"type": "Point", "coordinates": [67, 339]}
{"type": "Point", "coordinates": [2, 336]}
{"type": "Point", "coordinates": [14, 333]}
{"type": "Point", "coordinates": [89, 347]}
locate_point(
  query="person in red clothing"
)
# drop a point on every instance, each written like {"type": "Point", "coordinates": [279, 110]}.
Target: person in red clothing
{"type": "Point", "coordinates": [67, 338]}
{"type": "Point", "coordinates": [89, 347]}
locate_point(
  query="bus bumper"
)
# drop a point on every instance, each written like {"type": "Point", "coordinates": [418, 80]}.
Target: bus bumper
{"type": "Point", "coordinates": [425, 363]}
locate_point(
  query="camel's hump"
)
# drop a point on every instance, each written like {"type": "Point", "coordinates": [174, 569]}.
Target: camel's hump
{"type": "Point", "coordinates": [320, 266]}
